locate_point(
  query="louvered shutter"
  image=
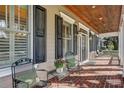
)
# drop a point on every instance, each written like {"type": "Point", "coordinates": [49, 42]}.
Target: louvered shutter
{"type": "Point", "coordinates": [58, 37]}
{"type": "Point", "coordinates": [13, 42]}
{"type": "Point", "coordinates": [21, 46]}
{"type": "Point", "coordinates": [4, 49]}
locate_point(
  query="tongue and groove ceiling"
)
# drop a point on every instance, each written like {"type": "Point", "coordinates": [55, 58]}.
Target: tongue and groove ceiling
{"type": "Point", "coordinates": [102, 18]}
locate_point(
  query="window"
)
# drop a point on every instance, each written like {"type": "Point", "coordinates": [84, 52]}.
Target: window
{"type": "Point", "coordinates": [21, 16]}
{"type": "Point", "coordinates": [4, 16]}
{"type": "Point", "coordinates": [13, 33]}
{"type": "Point", "coordinates": [67, 38]}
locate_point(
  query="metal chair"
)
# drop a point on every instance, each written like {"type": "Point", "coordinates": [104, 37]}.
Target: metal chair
{"type": "Point", "coordinates": [72, 62]}
{"type": "Point", "coordinates": [24, 74]}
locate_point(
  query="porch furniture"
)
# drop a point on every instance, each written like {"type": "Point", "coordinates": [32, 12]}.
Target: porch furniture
{"type": "Point", "coordinates": [24, 74]}
{"type": "Point", "coordinates": [71, 62]}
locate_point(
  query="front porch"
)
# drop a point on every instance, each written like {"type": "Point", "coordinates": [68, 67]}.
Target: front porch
{"type": "Point", "coordinates": [102, 72]}
{"type": "Point", "coordinates": [93, 41]}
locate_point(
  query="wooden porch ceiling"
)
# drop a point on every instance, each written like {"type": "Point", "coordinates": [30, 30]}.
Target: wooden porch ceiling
{"type": "Point", "coordinates": [102, 18]}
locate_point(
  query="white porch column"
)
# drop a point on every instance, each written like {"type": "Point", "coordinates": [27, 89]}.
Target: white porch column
{"type": "Point", "coordinates": [122, 45]}
{"type": "Point", "coordinates": [122, 48]}
{"type": "Point", "coordinates": [88, 47]}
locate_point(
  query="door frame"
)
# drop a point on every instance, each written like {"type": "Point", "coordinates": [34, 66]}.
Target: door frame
{"type": "Point", "coordinates": [80, 37]}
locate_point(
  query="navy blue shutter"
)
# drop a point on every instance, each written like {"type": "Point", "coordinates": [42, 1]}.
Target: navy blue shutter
{"type": "Point", "coordinates": [75, 32]}
{"type": "Point", "coordinates": [58, 37]}
{"type": "Point", "coordinates": [94, 43]}
{"type": "Point", "coordinates": [39, 34]}
{"type": "Point", "coordinates": [91, 42]}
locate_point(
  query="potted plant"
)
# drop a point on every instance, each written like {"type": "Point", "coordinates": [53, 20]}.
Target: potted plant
{"type": "Point", "coordinates": [59, 64]}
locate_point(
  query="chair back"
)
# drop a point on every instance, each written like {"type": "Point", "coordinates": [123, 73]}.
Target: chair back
{"type": "Point", "coordinates": [70, 59]}
{"type": "Point", "coordinates": [23, 73]}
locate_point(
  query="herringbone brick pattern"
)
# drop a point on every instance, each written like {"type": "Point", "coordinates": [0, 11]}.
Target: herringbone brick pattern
{"type": "Point", "coordinates": [105, 75]}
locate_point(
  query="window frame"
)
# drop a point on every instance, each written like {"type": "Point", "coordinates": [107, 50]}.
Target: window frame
{"type": "Point", "coordinates": [66, 39]}
{"type": "Point", "coordinates": [12, 31]}
{"type": "Point", "coordinates": [69, 20]}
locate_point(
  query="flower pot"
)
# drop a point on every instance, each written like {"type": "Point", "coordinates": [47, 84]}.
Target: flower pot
{"type": "Point", "coordinates": [59, 70]}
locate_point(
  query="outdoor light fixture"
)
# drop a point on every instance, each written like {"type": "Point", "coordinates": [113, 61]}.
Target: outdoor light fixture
{"type": "Point", "coordinates": [93, 6]}
{"type": "Point", "coordinates": [100, 18]}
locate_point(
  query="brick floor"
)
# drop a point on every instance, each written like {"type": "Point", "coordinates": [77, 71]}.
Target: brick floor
{"type": "Point", "coordinates": [101, 74]}
{"type": "Point", "coordinates": [104, 74]}
{"type": "Point", "coordinates": [6, 82]}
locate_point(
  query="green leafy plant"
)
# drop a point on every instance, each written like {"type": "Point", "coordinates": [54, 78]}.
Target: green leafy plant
{"type": "Point", "coordinates": [111, 46]}
{"type": "Point", "coordinates": [59, 63]}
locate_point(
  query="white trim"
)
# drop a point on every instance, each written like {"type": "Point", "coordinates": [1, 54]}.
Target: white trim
{"type": "Point", "coordinates": [97, 35]}
{"type": "Point", "coordinates": [120, 38]}
{"type": "Point", "coordinates": [68, 38]}
{"type": "Point", "coordinates": [88, 39]}
{"type": "Point", "coordinates": [80, 46]}
{"type": "Point", "coordinates": [67, 18]}
{"type": "Point", "coordinates": [109, 34]}
{"type": "Point", "coordinates": [122, 45]}
{"type": "Point", "coordinates": [30, 50]}
{"type": "Point", "coordinates": [13, 30]}
{"type": "Point", "coordinates": [83, 33]}
{"type": "Point", "coordinates": [6, 16]}
{"type": "Point", "coordinates": [12, 38]}
{"type": "Point", "coordinates": [83, 27]}
{"type": "Point", "coordinates": [93, 33]}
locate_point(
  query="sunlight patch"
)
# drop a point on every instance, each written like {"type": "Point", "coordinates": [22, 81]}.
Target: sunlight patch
{"type": "Point", "coordinates": [94, 81]}
{"type": "Point", "coordinates": [114, 81]}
